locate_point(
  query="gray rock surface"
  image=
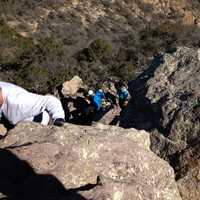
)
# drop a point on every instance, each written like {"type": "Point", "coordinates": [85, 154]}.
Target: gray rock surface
{"type": "Point", "coordinates": [167, 96]}
{"type": "Point", "coordinates": [178, 79]}
{"type": "Point", "coordinates": [166, 102]}
{"type": "Point", "coordinates": [109, 117]}
{"type": "Point", "coordinates": [119, 160]}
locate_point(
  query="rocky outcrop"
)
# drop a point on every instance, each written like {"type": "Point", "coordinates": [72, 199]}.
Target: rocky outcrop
{"type": "Point", "coordinates": [70, 88]}
{"type": "Point", "coordinates": [185, 161]}
{"type": "Point", "coordinates": [178, 82]}
{"type": "Point", "coordinates": [169, 92]}
{"type": "Point", "coordinates": [166, 101]}
{"type": "Point", "coordinates": [97, 162]}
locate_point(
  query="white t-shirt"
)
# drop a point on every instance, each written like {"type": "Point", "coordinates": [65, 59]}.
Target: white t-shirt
{"type": "Point", "coordinates": [19, 104]}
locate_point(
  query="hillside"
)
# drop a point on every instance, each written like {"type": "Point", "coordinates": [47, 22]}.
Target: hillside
{"type": "Point", "coordinates": [93, 39]}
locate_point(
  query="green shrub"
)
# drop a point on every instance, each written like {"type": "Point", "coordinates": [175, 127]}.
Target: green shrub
{"type": "Point", "coordinates": [50, 47]}
{"type": "Point", "coordinates": [36, 67]}
{"type": "Point", "coordinates": [155, 39]}
{"type": "Point", "coordinates": [13, 45]}
{"type": "Point", "coordinates": [97, 50]}
{"type": "Point", "coordinates": [124, 71]}
{"type": "Point", "coordinates": [33, 78]}
{"type": "Point", "coordinates": [58, 77]}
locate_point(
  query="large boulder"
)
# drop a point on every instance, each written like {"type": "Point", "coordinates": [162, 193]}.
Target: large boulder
{"type": "Point", "coordinates": [70, 88]}
{"type": "Point", "coordinates": [101, 162]}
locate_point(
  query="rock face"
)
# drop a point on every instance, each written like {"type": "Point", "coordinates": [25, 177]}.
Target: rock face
{"type": "Point", "coordinates": [101, 162]}
{"type": "Point", "coordinates": [178, 81]}
{"type": "Point", "coordinates": [110, 117]}
{"type": "Point", "coordinates": [168, 93]}
{"type": "Point", "coordinates": [166, 101]}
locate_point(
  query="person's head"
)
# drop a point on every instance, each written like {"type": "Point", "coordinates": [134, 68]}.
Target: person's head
{"type": "Point", "coordinates": [119, 85]}
{"type": "Point", "coordinates": [123, 89]}
{"type": "Point", "coordinates": [85, 93]}
{"type": "Point", "coordinates": [82, 91]}
{"type": "Point", "coordinates": [90, 92]}
{"type": "Point", "coordinates": [99, 85]}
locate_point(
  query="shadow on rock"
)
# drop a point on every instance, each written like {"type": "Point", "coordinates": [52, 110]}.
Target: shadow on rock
{"type": "Point", "coordinates": [138, 86]}
{"type": "Point", "coordinates": [140, 112]}
{"type": "Point", "coordinates": [18, 181]}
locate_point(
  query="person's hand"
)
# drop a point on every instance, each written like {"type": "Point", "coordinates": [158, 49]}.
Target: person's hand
{"type": "Point", "coordinates": [59, 122]}
{"type": "Point", "coordinates": [108, 103]}
{"type": "Point", "coordinates": [125, 103]}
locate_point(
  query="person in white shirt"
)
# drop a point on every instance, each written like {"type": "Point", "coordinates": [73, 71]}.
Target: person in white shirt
{"type": "Point", "coordinates": [17, 104]}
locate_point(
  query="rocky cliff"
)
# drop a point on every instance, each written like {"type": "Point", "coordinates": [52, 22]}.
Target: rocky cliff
{"type": "Point", "coordinates": [166, 102]}
{"type": "Point", "coordinates": [74, 162]}
{"type": "Point", "coordinates": [170, 87]}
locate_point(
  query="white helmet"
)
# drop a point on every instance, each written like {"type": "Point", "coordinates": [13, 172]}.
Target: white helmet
{"type": "Point", "coordinates": [91, 92]}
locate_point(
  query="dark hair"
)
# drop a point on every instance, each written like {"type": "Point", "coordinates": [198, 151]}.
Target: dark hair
{"type": "Point", "coordinates": [119, 84]}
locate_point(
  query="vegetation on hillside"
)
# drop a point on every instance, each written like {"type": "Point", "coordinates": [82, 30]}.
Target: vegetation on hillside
{"type": "Point", "coordinates": [36, 67]}
{"type": "Point", "coordinates": [40, 67]}
{"type": "Point", "coordinates": [113, 40]}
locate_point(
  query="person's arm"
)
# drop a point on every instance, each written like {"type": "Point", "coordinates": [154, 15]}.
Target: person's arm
{"type": "Point", "coordinates": [54, 107]}
{"type": "Point", "coordinates": [127, 95]}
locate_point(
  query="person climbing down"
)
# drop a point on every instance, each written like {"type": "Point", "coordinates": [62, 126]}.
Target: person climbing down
{"type": "Point", "coordinates": [17, 104]}
{"type": "Point", "coordinates": [81, 108]}
{"type": "Point", "coordinates": [89, 110]}
{"type": "Point", "coordinates": [90, 94]}
{"type": "Point", "coordinates": [111, 94]}
{"type": "Point", "coordinates": [89, 98]}
{"type": "Point", "coordinates": [98, 99]}
{"type": "Point", "coordinates": [123, 95]}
